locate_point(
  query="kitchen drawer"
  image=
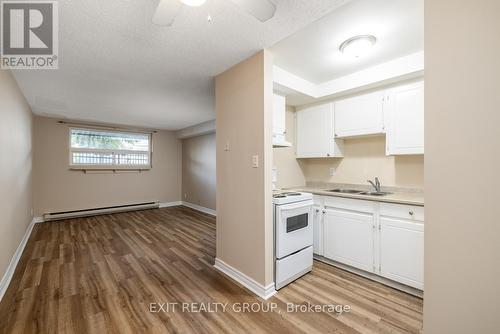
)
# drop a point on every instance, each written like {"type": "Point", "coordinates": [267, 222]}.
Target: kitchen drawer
{"type": "Point", "coordinates": [293, 266]}
{"type": "Point", "coordinates": [350, 204]}
{"type": "Point", "coordinates": [409, 212]}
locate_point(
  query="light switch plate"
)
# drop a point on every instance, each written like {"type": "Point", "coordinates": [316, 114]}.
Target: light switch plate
{"type": "Point", "coordinates": [255, 161]}
{"type": "Point", "coordinates": [332, 171]}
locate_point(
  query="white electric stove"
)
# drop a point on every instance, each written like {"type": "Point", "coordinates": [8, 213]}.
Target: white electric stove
{"type": "Point", "coordinates": [293, 236]}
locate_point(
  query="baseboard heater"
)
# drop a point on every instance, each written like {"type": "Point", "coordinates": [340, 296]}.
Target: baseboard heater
{"type": "Point", "coordinates": [99, 211]}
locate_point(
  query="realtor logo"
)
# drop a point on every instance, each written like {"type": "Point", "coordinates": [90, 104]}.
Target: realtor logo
{"type": "Point", "coordinates": [29, 36]}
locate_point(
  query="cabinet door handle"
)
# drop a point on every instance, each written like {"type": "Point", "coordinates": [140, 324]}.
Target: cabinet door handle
{"type": "Point", "coordinates": [411, 213]}
{"type": "Point", "coordinates": [317, 210]}
{"type": "Point", "coordinates": [324, 211]}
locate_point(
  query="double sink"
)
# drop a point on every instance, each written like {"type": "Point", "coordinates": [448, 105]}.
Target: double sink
{"type": "Point", "coordinates": [360, 192]}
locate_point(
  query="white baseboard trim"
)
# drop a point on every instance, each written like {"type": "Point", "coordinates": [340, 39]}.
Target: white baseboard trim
{"type": "Point", "coordinates": [189, 205]}
{"type": "Point", "coordinates": [170, 204]}
{"type": "Point", "coordinates": [7, 277]}
{"type": "Point", "coordinates": [264, 292]}
{"type": "Point", "coordinates": [200, 208]}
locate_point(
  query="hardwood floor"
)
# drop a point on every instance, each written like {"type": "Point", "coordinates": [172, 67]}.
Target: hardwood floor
{"type": "Point", "coordinates": [101, 274]}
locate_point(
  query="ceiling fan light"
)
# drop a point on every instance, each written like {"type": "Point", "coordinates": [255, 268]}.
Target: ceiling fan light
{"type": "Point", "coordinates": [358, 45]}
{"type": "Point", "coordinates": [193, 3]}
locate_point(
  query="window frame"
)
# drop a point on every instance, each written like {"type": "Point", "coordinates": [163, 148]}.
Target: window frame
{"type": "Point", "coordinates": [113, 167]}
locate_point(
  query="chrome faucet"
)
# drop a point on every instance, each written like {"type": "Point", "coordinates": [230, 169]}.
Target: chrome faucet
{"type": "Point", "coordinates": [375, 184]}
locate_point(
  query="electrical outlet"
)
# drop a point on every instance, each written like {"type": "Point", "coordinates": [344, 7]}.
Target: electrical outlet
{"type": "Point", "coordinates": [226, 147]}
{"type": "Point", "coordinates": [332, 171]}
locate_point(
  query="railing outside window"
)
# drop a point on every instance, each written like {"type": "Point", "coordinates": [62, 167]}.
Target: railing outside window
{"type": "Point", "coordinates": [104, 149]}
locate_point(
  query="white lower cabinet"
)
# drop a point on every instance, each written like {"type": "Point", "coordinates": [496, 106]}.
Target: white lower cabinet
{"type": "Point", "coordinates": [385, 239]}
{"type": "Point", "coordinates": [402, 251]}
{"type": "Point", "coordinates": [348, 238]}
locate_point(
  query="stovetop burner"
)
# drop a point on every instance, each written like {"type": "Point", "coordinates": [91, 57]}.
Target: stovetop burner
{"type": "Point", "coordinates": [286, 194]}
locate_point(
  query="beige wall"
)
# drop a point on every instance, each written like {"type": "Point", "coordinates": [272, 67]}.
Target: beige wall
{"type": "Point", "coordinates": [244, 202]}
{"type": "Point", "coordinates": [15, 168]}
{"type": "Point", "coordinates": [462, 166]}
{"type": "Point", "coordinates": [59, 189]}
{"type": "Point", "coordinates": [364, 158]}
{"type": "Point", "coordinates": [198, 170]}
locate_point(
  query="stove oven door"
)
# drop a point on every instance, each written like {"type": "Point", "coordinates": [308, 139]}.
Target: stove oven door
{"type": "Point", "coordinates": [294, 230]}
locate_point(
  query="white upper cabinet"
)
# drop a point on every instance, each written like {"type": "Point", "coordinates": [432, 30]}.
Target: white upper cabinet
{"type": "Point", "coordinates": [398, 112]}
{"type": "Point", "coordinates": [279, 112]}
{"type": "Point", "coordinates": [360, 115]}
{"type": "Point", "coordinates": [405, 119]}
{"type": "Point", "coordinates": [315, 133]}
{"type": "Point", "coordinates": [279, 121]}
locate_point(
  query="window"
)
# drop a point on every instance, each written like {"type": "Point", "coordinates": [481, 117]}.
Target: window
{"type": "Point", "coordinates": [102, 149]}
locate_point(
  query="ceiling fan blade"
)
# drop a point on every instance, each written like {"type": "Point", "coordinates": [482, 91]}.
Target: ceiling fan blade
{"type": "Point", "coordinates": [166, 12]}
{"type": "Point", "coordinates": [263, 10]}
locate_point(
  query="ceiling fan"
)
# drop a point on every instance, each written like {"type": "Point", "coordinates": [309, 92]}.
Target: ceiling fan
{"type": "Point", "coordinates": [167, 10]}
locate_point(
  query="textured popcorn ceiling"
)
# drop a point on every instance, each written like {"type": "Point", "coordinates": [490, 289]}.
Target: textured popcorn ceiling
{"type": "Point", "coordinates": [115, 66]}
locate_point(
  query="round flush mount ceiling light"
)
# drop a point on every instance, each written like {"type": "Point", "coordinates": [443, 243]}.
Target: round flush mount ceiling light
{"type": "Point", "coordinates": [193, 3]}
{"type": "Point", "coordinates": [358, 45]}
